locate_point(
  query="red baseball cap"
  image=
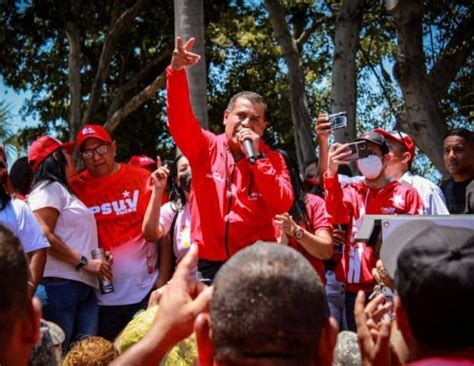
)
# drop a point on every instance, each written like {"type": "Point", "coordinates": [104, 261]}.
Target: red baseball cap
{"type": "Point", "coordinates": [400, 137]}
{"type": "Point", "coordinates": [92, 131]}
{"type": "Point", "coordinates": [43, 147]}
{"type": "Point", "coordinates": [142, 161]}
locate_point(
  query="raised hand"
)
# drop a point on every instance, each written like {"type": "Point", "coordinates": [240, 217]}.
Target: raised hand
{"type": "Point", "coordinates": [373, 332]}
{"type": "Point", "coordinates": [160, 178]}
{"type": "Point", "coordinates": [182, 55]}
{"type": "Point", "coordinates": [323, 127]}
{"type": "Point", "coordinates": [337, 155]}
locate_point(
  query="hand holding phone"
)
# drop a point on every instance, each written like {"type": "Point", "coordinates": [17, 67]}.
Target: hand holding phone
{"type": "Point", "coordinates": [359, 150]}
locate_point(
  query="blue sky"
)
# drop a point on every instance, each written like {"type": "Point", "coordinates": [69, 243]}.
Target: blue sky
{"type": "Point", "coordinates": [14, 101]}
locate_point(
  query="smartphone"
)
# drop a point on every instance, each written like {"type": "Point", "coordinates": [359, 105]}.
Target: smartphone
{"type": "Point", "coordinates": [359, 150]}
{"type": "Point", "coordinates": [338, 120]}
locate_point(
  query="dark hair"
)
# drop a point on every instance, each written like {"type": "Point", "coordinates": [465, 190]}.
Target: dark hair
{"type": "Point", "coordinates": [252, 97]}
{"type": "Point", "coordinates": [21, 176]}
{"type": "Point", "coordinates": [52, 169]}
{"type": "Point", "coordinates": [298, 209]}
{"type": "Point", "coordinates": [268, 302]}
{"type": "Point", "coordinates": [177, 196]}
{"type": "Point", "coordinates": [13, 282]}
{"type": "Point", "coordinates": [4, 196]}
{"type": "Point", "coordinates": [462, 132]}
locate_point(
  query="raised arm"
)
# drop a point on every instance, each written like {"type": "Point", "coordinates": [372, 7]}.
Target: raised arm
{"type": "Point", "coordinates": [151, 227]}
{"type": "Point", "coordinates": [183, 125]}
{"type": "Point", "coordinates": [323, 132]}
{"type": "Point", "coordinates": [336, 206]}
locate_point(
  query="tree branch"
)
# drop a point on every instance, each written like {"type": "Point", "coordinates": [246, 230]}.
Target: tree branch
{"type": "Point", "coordinates": [107, 51]}
{"type": "Point", "coordinates": [74, 76]}
{"type": "Point", "coordinates": [303, 38]}
{"type": "Point", "coordinates": [137, 79]}
{"type": "Point", "coordinates": [133, 104]}
{"type": "Point", "coordinates": [454, 56]}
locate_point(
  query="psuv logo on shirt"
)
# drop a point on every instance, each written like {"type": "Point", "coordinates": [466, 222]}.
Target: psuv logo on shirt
{"type": "Point", "coordinates": [119, 207]}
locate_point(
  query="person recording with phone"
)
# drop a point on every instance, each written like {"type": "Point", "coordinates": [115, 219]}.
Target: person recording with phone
{"type": "Point", "coordinates": [239, 184]}
{"type": "Point", "coordinates": [348, 204]}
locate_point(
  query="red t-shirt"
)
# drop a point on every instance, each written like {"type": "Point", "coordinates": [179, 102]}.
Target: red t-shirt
{"type": "Point", "coordinates": [349, 205]}
{"type": "Point", "coordinates": [318, 220]}
{"type": "Point", "coordinates": [118, 202]}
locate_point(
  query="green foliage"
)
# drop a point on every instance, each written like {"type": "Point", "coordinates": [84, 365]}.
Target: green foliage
{"type": "Point", "coordinates": [241, 54]}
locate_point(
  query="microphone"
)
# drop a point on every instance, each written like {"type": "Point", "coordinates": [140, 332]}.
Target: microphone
{"type": "Point", "coordinates": [248, 147]}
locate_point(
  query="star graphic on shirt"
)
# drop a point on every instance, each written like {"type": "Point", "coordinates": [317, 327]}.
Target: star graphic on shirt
{"type": "Point", "coordinates": [126, 194]}
{"type": "Point", "coordinates": [398, 200]}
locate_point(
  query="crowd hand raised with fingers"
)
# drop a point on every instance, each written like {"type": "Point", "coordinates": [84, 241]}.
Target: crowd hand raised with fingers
{"type": "Point", "coordinates": [182, 55]}
{"type": "Point", "coordinates": [181, 301]}
{"type": "Point", "coordinates": [323, 127]}
{"type": "Point", "coordinates": [373, 331]}
{"type": "Point", "coordinates": [160, 178]}
{"type": "Point", "coordinates": [337, 155]}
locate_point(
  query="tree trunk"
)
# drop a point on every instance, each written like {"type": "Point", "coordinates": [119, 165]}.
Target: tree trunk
{"type": "Point", "coordinates": [300, 114]}
{"type": "Point", "coordinates": [74, 78]}
{"type": "Point", "coordinates": [189, 22]}
{"type": "Point", "coordinates": [346, 44]}
{"type": "Point", "coordinates": [423, 118]}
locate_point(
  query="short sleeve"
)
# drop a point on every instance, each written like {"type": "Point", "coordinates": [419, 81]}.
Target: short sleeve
{"type": "Point", "coordinates": [167, 215]}
{"type": "Point", "coordinates": [47, 195]}
{"type": "Point", "coordinates": [28, 229]}
{"type": "Point", "coordinates": [319, 215]}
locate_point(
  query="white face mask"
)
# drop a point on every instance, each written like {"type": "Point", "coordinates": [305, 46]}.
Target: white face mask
{"type": "Point", "coordinates": [370, 167]}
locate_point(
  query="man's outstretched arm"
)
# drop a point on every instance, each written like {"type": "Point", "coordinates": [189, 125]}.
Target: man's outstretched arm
{"type": "Point", "coordinates": [182, 122]}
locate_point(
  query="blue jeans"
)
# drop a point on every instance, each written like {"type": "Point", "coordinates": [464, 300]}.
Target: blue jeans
{"type": "Point", "coordinates": [70, 304]}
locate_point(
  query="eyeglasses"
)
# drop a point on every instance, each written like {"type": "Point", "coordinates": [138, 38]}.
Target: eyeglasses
{"type": "Point", "coordinates": [100, 150]}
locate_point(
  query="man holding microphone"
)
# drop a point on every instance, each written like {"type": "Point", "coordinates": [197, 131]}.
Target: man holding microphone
{"type": "Point", "coordinates": [239, 184]}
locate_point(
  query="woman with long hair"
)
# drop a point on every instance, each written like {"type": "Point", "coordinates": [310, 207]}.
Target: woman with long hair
{"type": "Point", "coordinates": [305, 227]}
{"type": "Point", "coordinates": [67, 291]}
{"type": "Point", "coordinates": [17, 216]}
{"type": "Point", "coordinates": [173, 218]}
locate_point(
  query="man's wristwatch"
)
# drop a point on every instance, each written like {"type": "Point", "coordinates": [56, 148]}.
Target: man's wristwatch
{"type": "Point", "coordinates": [298, 234]}
{"type": "Point", "coordinates": [82, 263]}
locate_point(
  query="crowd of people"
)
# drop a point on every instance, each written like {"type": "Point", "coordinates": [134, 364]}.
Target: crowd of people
{"type": "Point", "coordinates": [262, 264]}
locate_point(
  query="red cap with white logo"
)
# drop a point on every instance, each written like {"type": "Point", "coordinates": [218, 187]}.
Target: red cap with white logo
{"type": "Point", "coordinates": [43, 147]}
{"type": "Point", "coordinates": [401, 138]}
{"type": "Point", "coordinates": [92, 131]}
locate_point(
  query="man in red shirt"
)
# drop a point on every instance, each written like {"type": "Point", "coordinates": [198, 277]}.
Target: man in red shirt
{"type": "Point", "coordinates": [117, 194]}
{"type": "Point", "coordinates": [374, 195]}
{"type": "Point", "coordinates": [234, 196]}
